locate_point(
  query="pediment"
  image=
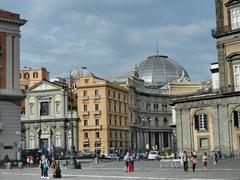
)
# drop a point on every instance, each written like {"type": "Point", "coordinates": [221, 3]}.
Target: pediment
{"type": "Point", "coordinates": [43, 86]}
{"type": "Point", "coordinates": [232, 2]}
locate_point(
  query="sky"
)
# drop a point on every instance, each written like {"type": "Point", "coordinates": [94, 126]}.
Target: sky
{"type": "Point", "coordinates": [110, 36]}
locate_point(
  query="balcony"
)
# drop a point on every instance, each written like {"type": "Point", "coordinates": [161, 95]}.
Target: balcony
{"type": "Point", "coordinates": [85, 113]}
{"type": "Point", "coordinates": [86, 140]}
{"type": "Point", "coordinates": [97, 112]}
{"type": "Point", "coordinates": [93, 127]}
{"type": "Point", "coordinates": [225, 30]}
{"type": "Point", "coordinates": [85, 97]}
{"type": "Point", "coordinates": [96, 97]}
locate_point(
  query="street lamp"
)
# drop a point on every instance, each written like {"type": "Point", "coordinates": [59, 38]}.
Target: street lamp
{"type": "Point", "coordinates": [71, 110]}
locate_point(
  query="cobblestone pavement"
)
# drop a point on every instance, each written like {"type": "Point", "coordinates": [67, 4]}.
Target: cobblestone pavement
{"type": "Point", "coordinates": [144, 170]}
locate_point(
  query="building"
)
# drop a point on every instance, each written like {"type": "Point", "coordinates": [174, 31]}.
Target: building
{"type": "Point", "coordinates": [29, 77]}
{"type": "Point", "coordinates": [211, 120]}
{"type": "Point", "coordinates": [151, 85]}
{"type": "Point", "coordinates": [47, 119]}
{"type": "Point", "coordinates": [10, 93]}
{"type": "Point", "coordinates": [103, 113]}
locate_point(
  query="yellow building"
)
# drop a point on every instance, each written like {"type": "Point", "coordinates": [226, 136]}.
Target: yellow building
{"type": "Point", "coordinates": [103, 113]}
{"type": "Point", "coordinates": [29, 77]}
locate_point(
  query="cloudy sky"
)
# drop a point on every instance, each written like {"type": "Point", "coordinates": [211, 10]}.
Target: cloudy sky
{"type": "Point", "coordinates": [110, 36]}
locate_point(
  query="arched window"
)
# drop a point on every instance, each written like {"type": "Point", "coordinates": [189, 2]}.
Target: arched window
{"type": "Point", "coordinates": [35, 75]}
{"type": "Point", "coordinates": [201, 121]}
{"type": "Point", "coordinates": [26, 75]}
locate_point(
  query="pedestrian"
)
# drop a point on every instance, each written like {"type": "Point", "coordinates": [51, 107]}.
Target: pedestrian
{"type": "Point", "coordinates": [185, 160]}
{"type": "Point", "coordinates": [45, 167]}
{"type": "Point", "coordinates": [214, 157]}
{"type": "Point", "coordinates": [126, 160]}
{"type": "Point", "coordinates": [131, 163]}
{"type": "Point", "coordinates": [41, 166]}
{"type": "Point", "coordinates": [194, 162]}
{"type": "Point", "coordinates": [204, 159]}
{"type": "Point", "coordinates": [56, 171]}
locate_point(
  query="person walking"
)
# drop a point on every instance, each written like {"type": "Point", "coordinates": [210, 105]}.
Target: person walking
{"type": "Point", "coordinates": [131, 163]}
{"type": "Point", "coordinates": [45, 167]}
{"type": "Point", "coordinates": [185, 160]}
{"type": "Point", "coordinates": [41, 166]}
{"type": "Point", "coordinates": [126, 161]}
{"type": "Point", "coordinates": [214, 157]}
{"type": "Point", "coordinates": [204, 159]}
{"type": "Point", "coordinates": [194, 162]}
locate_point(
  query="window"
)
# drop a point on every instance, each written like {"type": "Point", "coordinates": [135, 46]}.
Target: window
{"type": "Point", "coordinates": [35, 74]}
{"type": "Point", "coordinates": [156, 121]}
{"type": "Point", "coordinates": [20, 75]}
{"type": "Point", "coordinates": [85, 122]}
{"type": "Point", "coordinates": [147, 106]}
{"type": "Point", "coordinates": [97, 122]}
{"type": "Point", "coordinates": [121, 144]}
{"type": "Point", "coordinates": [126, 135]}
{"type": "Point", "coordinates": [203, 143]}
{"type": "Point", "coordinates": [109, 94]}
{"type": "Point", "coordinates": [85, 135]}
{"type": "Point", "coordinates": [235, 18]}
{"type": "Point", "coordinates": [26, 75]}
{"type": "Point", "coordinates": [84, 93]}
{"type": "Point", "coordinates": [85, 107]}
{"type": "Point", "coordinates": [25, 86]}
{"type": "Point", "coordinates": [110, 134]}
{"type": "Point", "coordinates": [201, 122]}
{"type": "Point", "coordinates": [236, 119]}
{"type": "Point", "coordinates": [96, 107]}
{"type": "Point", "coordinates": [96, 92]}
{"type": "Point", "coordinates": [44, 111]}
{"type": "Point", "coordinates": [165, 121]}
{"type": "Point", "coordinates": [120, 135]}
{"type": "Point", "coordinates": [86, 80]}
{"type": "Point", "coordinates": [236, 72]}
{"type": "Point", "coordinates": [116, 135]}
{"type": "Point", "coordinates": [97, 135]}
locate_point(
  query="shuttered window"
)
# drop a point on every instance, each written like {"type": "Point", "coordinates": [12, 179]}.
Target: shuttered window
{"type": "Point", "coordinates": [201, 122]}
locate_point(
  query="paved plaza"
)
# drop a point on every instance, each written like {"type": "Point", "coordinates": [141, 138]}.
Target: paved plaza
{"type": "Point", "coordinates": [144, 170]}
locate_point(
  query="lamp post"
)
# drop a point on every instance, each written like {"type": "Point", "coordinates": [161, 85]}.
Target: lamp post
{"type": "Point", "coordinates": [72, 126]}
{"type": "Point", "coordinates": [39, 131]}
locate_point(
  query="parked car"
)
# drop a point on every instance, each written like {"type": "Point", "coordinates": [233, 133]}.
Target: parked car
{"type": "Point", "coordinates": [153, 155]}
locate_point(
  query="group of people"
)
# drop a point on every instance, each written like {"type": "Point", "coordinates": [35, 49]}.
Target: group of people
{"type": "Point", "coordinates": [193, 160]}
{"type": "Point", "coordinates": [44, 165]}
{"type": "Point", "coordinates": [129, 162]}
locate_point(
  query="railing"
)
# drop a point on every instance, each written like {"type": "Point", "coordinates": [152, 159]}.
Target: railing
{"type": "Point", "coordinates": [220, 31]}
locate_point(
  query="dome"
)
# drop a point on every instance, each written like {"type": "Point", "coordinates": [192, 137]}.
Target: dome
{"type": "Point", "coordinates": [158, 70]}
{"type": "Point", "coordinates": [80, 72]}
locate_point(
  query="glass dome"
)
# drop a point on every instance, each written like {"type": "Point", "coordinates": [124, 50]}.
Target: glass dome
{"type": "Point", "coordinates": [158, 70]}
{"type": "Point", "coordinates": [79, 73]}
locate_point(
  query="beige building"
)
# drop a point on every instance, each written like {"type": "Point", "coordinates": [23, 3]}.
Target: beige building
{"type": "Point", "coordinates": [211, 121]}
{"type": "Point", "coordinates": [29, 77]}
{"type": "Point", "coordinates": [103, 112]}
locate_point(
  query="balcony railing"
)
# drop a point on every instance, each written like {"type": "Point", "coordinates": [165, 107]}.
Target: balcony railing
{"type": "Point", "coordinates": [224, 30]}
{"type": "Point", "coordinates": [97, 112]}
{"type": "Point", "coordinates": [94, 127]}
{"type": "Point", "coordinates": [85, 97]}
{"type": "Point", "coordinates": [85, 113]}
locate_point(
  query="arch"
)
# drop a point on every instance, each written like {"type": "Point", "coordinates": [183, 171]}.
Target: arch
{"type": "Point", "coordinates": [233, 56]}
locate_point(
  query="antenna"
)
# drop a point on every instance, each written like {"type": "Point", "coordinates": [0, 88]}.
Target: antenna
{"type": "Point", "coordinates": [157, 46]}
